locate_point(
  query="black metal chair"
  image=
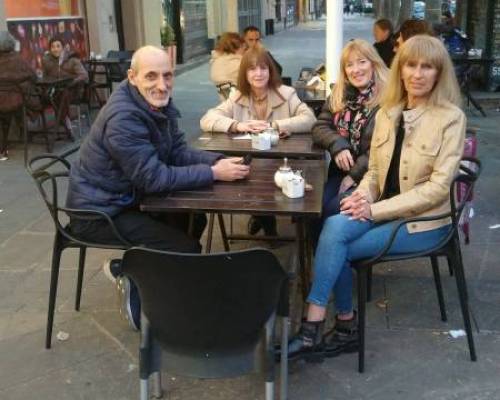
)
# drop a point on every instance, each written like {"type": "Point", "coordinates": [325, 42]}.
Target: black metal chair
{"type": "Point", "coordinates": [448, 247]}
{"type": "Point", "coordinates": [49, 171]}
{"type": "Point", "coordinates": [206, 314]}
{"type": "Point", "coordinates": [118, 72]}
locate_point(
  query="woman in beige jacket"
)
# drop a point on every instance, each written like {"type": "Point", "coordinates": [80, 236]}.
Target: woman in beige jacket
{"type": "Point", "coordinates": [261, 101]}
{"type": "Point", "coordinates": [415, 153]}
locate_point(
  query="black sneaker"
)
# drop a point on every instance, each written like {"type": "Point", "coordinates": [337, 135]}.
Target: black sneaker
{"type": "Point", "coordinates": [130, 303]}
{"type": "Point", "coordinates": [343, 338]}
{"type": "Point", "coordinates": [112, 269]}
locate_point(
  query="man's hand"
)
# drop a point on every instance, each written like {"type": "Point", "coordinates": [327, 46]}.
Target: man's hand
{"type": "Point", "coordinates": [344, 160]}
{"type": "Point", "coordinates": [230, 169]}
{"type": "Point", "coordinates": [252, 126]}
{"type": "Point", "coordinates": [357, 206]}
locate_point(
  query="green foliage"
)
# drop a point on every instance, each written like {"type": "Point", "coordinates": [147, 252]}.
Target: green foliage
{"type": "Point", "coordinates": [167, 35]}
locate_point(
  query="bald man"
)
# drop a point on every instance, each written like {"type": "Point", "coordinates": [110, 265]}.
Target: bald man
{"type": "Point", "coordinates": [135, 148]}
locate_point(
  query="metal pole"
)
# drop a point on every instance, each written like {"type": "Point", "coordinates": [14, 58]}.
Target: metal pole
{"type": "Point", "coordinates": [334, 39]}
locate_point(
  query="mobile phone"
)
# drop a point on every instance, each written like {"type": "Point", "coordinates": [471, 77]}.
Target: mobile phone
{"type": "Point", "coordinates": [247, 159]}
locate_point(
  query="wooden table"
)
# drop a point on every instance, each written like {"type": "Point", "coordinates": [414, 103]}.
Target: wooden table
{"type": "Point", "coordinates": [256, 195]}
{"type": "Point", "coordinates": [297, 146]}
{"type": "Point", "coordinates": [464, 66]}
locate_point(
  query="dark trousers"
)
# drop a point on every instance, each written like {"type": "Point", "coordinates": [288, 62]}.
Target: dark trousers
{"type": "Point", "coordinates": [330, 206]}
{"type": "Point", "coordinates": [156, 231]}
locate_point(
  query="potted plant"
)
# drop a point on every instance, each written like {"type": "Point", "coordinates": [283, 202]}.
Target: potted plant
{"type": "Point", "coordinates": [167, 39]}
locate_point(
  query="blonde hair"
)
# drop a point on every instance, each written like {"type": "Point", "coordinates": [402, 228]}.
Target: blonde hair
{"type": "Point", "coordinates": [431, 50]}
{"type": "Point", "coordinates": [365, 49]}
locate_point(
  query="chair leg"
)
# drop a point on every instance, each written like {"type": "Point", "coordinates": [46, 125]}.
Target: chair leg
{"type": "Point", "coordinates": [54, 278]}
{"type": "Point", "coordinates": [369, 280]}
{"type": "Point", "coordinates": [157, 389]}
{"type": "Point", "coordinates": [284, 360]}
{"type": "Point", "coordinates": [450, 265]}
{"type": "Point", "coordinates": [439, 288]}
{"type": "Point", "coordinates": [78, 107]}
{"type": "Point", "coordinates": [79, 282]}
{"type": "Point", "coordinates": [210, 232]}
{"type": "Point", "coordinates": [268, 357]}
{"type": "Point", "coordinates": [144, 358]}
{"type": "Point", "coordinates": [223, 233]}
{"type": "Point", "coordinates": [25, 137]}
{"type": "Point", "coordinates": [462, 293]}
{"type": "Point", "coordinates": [361, 317]}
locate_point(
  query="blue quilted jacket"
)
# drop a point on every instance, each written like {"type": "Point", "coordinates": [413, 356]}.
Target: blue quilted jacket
{"type": "Point", "coordinates": [132, 150]}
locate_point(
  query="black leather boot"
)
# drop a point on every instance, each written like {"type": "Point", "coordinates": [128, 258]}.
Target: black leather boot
{"type": "Point", "coordinates": [343, 338]}
{"type": "Point", "coordinates": [307, 344]}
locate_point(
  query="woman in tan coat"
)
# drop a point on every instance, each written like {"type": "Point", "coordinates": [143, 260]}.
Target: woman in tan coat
{"type": "Point", "coordinates": [226, 59]}
{"type": "Point", "coordinates": [415, 153]}
{"type": "Point", "coordinates": [261, 101]}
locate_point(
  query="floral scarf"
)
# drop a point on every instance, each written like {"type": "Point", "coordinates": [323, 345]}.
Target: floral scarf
{"type": "Point", "coordinates": [353, 118]}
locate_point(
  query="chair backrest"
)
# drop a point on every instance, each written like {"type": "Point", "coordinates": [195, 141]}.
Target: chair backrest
{"type": "Point", "coordinates": [118, 72]}
{"type": "Point", "coordinates": [225, 89]}
{"type": "Point", "coordinates": [50, 173]}
{"type": "Point", "coordinates": [207, 309]}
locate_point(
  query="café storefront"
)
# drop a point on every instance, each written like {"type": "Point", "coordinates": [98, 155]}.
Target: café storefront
{"type": "Point", "coordinates": [34, 22]}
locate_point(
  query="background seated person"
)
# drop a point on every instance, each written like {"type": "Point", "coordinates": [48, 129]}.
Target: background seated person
{"type": "Point", "coordinates": [226, 59]}
{"type": "Point", "coordinates": [253, 38]}
{"type": "Point", "coordinates": [417, 145]}
{"type": "Point", "coordinates": [345, 124]}
{"type": "Point", "coordinates": [60, 63]}
{"type": "Point", "coordinates": [410, 28]}
{"type": "Point", "coordinates": [260, 101]}
{"type": "Point", "coordinates": [15, 73]}
{"type": "Point", "coordinates": [384, 40]}
{"type": "Point", "coordinates": [135, 148]}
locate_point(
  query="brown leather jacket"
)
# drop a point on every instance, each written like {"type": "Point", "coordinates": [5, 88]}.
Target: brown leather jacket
{"type": "Point", "coordinates": [68, 67]}
{"type": "Point", "coordinates": [15, 74]}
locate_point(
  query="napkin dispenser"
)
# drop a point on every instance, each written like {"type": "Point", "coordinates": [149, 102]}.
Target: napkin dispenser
{"type": "Point", "coordinates": [293, 187]}
{"type": "Point", "coordinates": [261, 141]}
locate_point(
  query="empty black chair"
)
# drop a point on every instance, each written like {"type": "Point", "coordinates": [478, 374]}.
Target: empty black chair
{"type": "Point", "coordinates": [449, 247]}
{"type": "Point", "coordinates": [50, 172]}
{"type": "Point", "coordinates": [207, 313]}
{"type": "Point", "coordinates": [118, 72]}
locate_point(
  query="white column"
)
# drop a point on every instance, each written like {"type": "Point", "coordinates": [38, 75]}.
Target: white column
{"type": "Point", "coordinates": [334, 28]}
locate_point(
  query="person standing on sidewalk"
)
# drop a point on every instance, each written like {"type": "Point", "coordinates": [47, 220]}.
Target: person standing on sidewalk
{"type": "Point", "coordinates": [135, 148]}
{"type": "Point", "coordinates": [416, 149]}
{"type": "Point", "coordinates": [384, 40]}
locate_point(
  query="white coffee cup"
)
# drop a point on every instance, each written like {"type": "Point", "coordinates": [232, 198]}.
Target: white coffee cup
{"type": "Point", "coordinates": [261, 141]}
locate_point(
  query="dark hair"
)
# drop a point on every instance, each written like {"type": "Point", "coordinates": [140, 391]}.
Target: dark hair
{"type": "Point", "coordinates": [250, 28]}
{"type": "Point", "coordinates": [229, 42]}
{"type": "Point", "coordinates": [412, 27]}
{"type": "Point", "coordinates": [253, 57]}
{"type": "Point", "coordinates": [56, 39]}
{"type": "Point", "coordinates": [385, 25]}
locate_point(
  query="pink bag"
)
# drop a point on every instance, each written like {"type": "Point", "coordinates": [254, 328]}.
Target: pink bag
{"type": "Point", "coordinates": [470, 150]}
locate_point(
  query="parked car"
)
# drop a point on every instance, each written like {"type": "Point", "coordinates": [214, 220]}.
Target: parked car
{"type": "Point", "coordinates": [418, 10]}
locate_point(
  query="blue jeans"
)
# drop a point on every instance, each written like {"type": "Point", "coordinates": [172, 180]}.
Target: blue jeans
{"type": "Point", "coordinates": [343, 240]}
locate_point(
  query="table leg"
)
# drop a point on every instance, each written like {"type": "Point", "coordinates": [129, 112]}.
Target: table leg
{"type": "Point", "coordinates": [223, 231]}
{"type": "Point", "coordinates": [301, 247]}
{"type": "Point", "coordinates": [210, 232]}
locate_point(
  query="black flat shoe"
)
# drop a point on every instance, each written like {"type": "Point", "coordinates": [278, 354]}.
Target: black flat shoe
{"type": "Point", "coordinates": [254, 225]}
{"type": "Point", "coordinates": [343, 338]}
{"type": "Point", "coordinates": [306, 345]}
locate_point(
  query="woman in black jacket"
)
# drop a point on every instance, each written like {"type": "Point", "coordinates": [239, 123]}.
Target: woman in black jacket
{"type": "Point", "coordinates": [345, 124]}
